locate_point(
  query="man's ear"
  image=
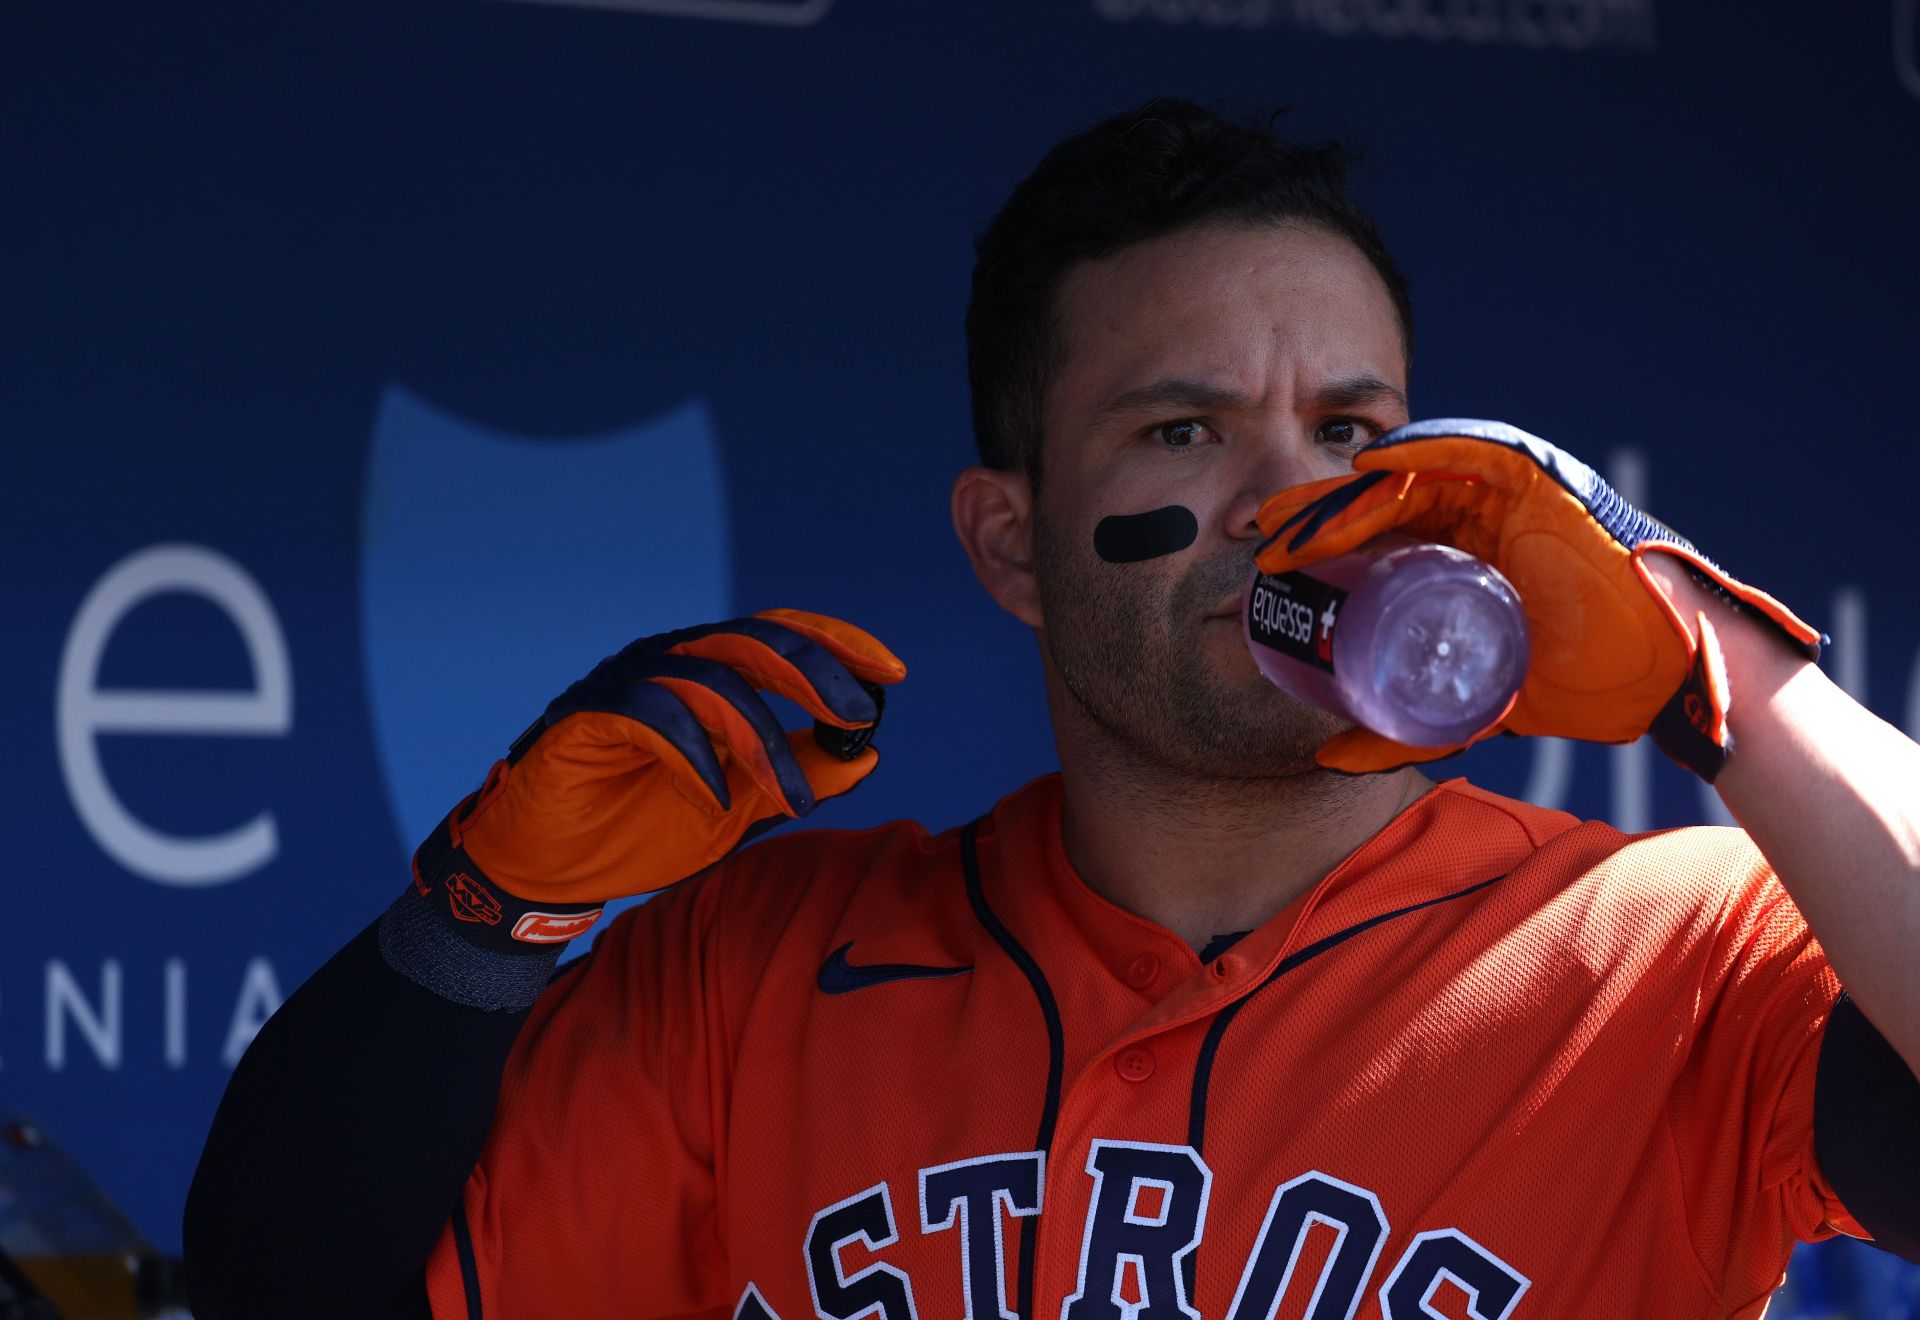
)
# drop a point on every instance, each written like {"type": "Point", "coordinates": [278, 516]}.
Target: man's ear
{"type": "Point", "coordinates": [993, 517]}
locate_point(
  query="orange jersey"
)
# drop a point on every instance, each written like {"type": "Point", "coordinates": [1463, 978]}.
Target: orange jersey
{"type": "Point", "coordinates": [1498, 1063]}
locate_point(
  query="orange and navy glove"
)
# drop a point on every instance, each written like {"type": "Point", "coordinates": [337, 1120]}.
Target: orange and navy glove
{"type": "Point", "coordinates": [653, 767]}
{"type": "Point", "coordinates": [1611, 656]}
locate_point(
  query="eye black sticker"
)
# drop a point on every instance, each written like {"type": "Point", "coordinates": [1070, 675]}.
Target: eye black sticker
{"type": "Point", "coordinates": [1128, 538]}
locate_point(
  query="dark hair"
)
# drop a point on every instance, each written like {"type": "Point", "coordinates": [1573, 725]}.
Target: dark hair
{"type": "Point", "coordinates": [1140, 174]}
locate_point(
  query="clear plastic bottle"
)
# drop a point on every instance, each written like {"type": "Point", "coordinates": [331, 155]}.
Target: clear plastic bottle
{"type": "Point", "coordinates": [1420, 642]}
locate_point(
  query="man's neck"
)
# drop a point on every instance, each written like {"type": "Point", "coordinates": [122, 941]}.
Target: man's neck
{"type": "Point", "coordinates": [1203, 856]}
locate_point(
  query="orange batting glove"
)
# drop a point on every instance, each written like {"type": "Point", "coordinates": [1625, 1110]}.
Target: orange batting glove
{"type": "Point", "coordinates": [653, 767]}
{"type": "Point", "coordinates": [1611, 656]}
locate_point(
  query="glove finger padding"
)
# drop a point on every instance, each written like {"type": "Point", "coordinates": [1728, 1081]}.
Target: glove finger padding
{"type": "Point", "coordinates": [663, 759]}
{"type": "Point", "coordinates": [810, 659]}
{"type": "Point", "coordinates": [1610, 656]}
{"type": "Point", "coordinates": [744, 733]}
{"type": "Point", "coordinates": [713, 672]}
{"type": "Point", "coordinates": [632, 823]}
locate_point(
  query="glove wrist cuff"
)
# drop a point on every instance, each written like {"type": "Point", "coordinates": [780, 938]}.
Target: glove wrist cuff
{"type": "Point", "coordinates": [480, 913]}
{"type": "Point", "coordinates": [417, 943]}
{"type": "Point", "coordinates": [1692, 727]}
{"type": "Point", "coordinates": [453, 931]}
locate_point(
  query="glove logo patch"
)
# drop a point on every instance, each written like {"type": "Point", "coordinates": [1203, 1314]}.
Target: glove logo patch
{"type": "Point", "coordinates": [471, 901]}
{"type": "Point", "coordinates": [553, 927]}
{"type": "Point", "coordinates": [1697, 713]}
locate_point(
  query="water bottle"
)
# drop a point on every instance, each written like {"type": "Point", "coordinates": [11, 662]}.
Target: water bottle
{"type": "Point", "coordinates": [1419, 642]}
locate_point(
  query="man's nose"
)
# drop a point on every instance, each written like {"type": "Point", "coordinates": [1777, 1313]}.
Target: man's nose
{"type": "Point", "coordinates": [1278, 463]}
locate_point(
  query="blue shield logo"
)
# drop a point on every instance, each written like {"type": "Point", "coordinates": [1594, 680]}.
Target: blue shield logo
{"type": "Point", "coordinates": [495, 569]}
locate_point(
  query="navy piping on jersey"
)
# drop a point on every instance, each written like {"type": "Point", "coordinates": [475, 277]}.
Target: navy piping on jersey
{"type": "Point", "coordinates": [1056, 1048]}
{"type": "Point", "coordinates": [1203, 1067]}
{"type": "Point", "coordinates": [1210, 1046]}
{"type": "Point", "coordinates": [469, 1268]}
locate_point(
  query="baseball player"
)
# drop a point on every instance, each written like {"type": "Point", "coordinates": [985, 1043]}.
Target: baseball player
{"type": "Point", "coordinates": [1239, 1015]}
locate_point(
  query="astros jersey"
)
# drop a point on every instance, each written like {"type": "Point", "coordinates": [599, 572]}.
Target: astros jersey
{"type": "Point", "coordinates": [1498, 1063]}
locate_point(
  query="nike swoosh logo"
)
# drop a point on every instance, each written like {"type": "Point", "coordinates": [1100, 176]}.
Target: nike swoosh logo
{"type": "Point", "coordinates": [839, 977]}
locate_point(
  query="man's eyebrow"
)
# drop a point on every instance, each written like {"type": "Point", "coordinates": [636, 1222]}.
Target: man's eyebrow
{"type": "Point", "coordinates": [1353, 391]}
{"type": "Point", "coordinates": [1173, 392]}
{"type": "Point", "coordinates": [1199, 395]}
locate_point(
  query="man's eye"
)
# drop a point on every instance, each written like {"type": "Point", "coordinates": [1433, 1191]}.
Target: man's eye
{"type": "Point", "coordinates": [1345, 432]}
{"type": "Point", "coordinates": [1179, 435]}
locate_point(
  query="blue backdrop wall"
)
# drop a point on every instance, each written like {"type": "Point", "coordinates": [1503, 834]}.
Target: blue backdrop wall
{"type": "Point", "coordinates": [368, 370]}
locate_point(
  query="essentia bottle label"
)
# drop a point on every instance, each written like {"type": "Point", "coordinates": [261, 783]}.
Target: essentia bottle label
{"type": "Point", "coordinates": [1295, 615]}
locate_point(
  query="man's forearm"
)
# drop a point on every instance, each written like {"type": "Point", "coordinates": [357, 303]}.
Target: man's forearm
{"type": "Point", "coordinates": [1830, 794]}
{"type": "Point", "coordinates": [342, 1145]}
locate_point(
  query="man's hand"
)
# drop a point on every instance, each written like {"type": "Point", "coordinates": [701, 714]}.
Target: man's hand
{"type": "Point", "coordinates": [1612, 658]}
{"type": "Point", "coordinates": [656, 765]}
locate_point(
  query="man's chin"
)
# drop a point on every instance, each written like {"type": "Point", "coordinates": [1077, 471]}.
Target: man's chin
{"type": "Point", "coordinates": [1259, 703]}
{"type": "Point", "coordinates": [1274, 736]}
{"type": "Point", "coordinates": [1199, 706]}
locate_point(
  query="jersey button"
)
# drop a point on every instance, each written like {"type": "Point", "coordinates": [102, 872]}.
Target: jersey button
{"type": "Point", "coordinates": [1133, 1065]}
{"type": "Point", "coordinates": [1143, 971]}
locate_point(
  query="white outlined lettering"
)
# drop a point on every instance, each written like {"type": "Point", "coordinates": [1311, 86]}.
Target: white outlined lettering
{"type": "Point", "coordinates": [1014, 1184]}
{"type": "Point", "coordinates": [880, 1290]}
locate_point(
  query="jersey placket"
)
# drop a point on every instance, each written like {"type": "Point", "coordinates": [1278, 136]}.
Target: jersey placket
{"type": "Point", "coordinates": [1161, 1061]}
{"type": "Point", "coordinates": [1154, 1054]}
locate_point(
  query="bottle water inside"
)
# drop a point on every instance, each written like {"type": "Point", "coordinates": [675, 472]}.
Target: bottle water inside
{"type": "Point", "coordinates": [1417, 641]}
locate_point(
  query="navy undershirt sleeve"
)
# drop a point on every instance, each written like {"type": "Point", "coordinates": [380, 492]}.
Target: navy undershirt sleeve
{"type": "Point", "coordinates": [1866, 1129]}
{"type": "Point", "coordinates": [341, 1147]}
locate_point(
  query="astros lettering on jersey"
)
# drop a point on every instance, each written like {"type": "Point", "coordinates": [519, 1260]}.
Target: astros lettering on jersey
{"type": "Point", "coordinates": [1499, 1062]}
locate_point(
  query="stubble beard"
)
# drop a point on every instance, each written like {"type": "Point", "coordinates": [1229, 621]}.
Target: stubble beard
{"type": "Point", "coordinates": [1136, 657]}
